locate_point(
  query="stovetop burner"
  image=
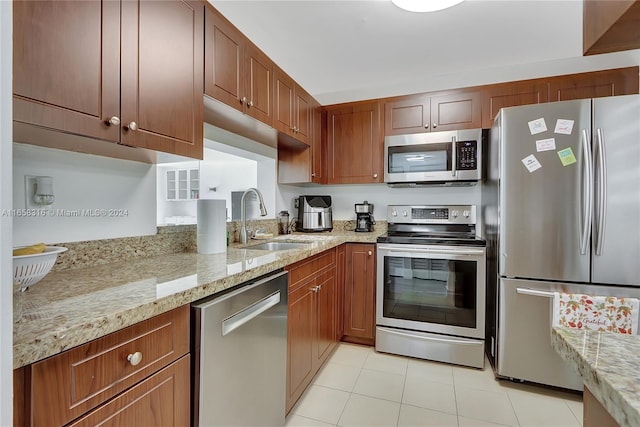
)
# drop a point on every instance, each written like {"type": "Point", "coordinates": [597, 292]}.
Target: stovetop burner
{"type": "Point", "coordinates": [432, 225]}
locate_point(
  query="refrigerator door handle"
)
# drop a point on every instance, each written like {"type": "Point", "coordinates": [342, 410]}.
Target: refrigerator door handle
{"type": "Point", "coordinates": [534, 293]}
{"type": "Point", "coordinates": [587, 193]}
{"type": "Point", "coordinates": [454, 156]}
{"type": "Point", "coordinates": [602, 192]}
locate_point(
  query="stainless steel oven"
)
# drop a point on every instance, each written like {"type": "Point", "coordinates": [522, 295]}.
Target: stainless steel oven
{"type": "Point", "coordinates": [430, 296]}
{"type": "Point", "coordinates": [441, 158]}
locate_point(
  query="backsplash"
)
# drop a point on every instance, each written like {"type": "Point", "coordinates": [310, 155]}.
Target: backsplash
{"type": "Point", "coordinates": [168, 240]}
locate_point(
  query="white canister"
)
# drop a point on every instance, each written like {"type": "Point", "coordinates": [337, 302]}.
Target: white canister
{"type": "Point", "coordinates": [212, 226]}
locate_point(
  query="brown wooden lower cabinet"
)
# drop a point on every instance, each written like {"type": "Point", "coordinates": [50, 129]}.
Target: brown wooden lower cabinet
{"type": "Point", "coordinates": [594, 414]}
{"type": "Point", "coordinates": [130, 377]}
{"type": "Point", "coordinates": [161, 400]}
{"type": "Point", "coordinates": [359, 295]}
{"type": "Point", "coordinates": [312, 320]}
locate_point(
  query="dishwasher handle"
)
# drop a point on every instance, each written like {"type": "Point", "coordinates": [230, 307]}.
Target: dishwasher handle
{"type": "Point", "coordinates": [234, 322]}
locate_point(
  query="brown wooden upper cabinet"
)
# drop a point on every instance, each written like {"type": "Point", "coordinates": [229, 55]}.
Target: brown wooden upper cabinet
{"type": "Point", "coordinates": [610, 26]}
{"type": "Point", "coordinates": [111, 71]}
{"type": "Point", "coordinates": [292, 108]}
{"type": "Point", "coordinates": [236, 71]}
{"type": "Point", "coordinates": [495, 97]}
{"type": "Point", "coordinates": [354, 143]}
{"type": "Point", "coordinates": [432, 113]}
{"type": "Point", "coordinates": [620, 81]}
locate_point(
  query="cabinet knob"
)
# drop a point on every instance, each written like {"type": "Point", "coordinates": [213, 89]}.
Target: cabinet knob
{"type": "Point", "coordinates": [135, 358]}
{"type": "Point", "coordinates": [295, 129]}
{"type": "Point", "coordinates": [132, 126]}
{"type": "Point", "coordinates": [313, 174]}
{"type": "Point", "coordinates": [315, 289]}
{"type": "Point", "coordinates": [243, 100]}
{"type": "Point", "coordinates": [426, 126]}
{"type": "Point", "coordinates": [113, 121]}
{"type": "Point", "coordinates": [435, 125]}
{"type": "Point", "coordinates": [375, 176]}
{"type": "Point", "coordinates": [250, 104]}
{"type": "Point", "coordinates": [370, 253]}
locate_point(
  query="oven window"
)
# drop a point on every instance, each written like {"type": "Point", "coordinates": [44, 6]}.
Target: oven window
{"type": "Point", "coordinates": [430, 290]}
{"type": "Point", "coordinates": [432, 158]}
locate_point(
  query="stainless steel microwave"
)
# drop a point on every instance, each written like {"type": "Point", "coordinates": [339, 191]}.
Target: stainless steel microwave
{"type": "Point", "coordinates": [434, 158]}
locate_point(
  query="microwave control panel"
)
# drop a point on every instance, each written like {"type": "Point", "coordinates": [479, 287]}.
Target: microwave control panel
{"type": "Point", "coordinates": [467, 152]}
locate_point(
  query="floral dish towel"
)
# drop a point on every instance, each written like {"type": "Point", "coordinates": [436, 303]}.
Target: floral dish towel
{"type": "Point", "coordinates": [596, 313]}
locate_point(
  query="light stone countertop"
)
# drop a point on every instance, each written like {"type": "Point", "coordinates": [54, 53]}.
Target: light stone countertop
{"type": "Point", "coordinates": [610, 367]}
{"type": "Point", "coordinates": [72, 307]}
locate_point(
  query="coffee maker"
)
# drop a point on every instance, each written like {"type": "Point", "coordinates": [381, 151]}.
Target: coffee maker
{"type": "Point", "coordinates": [364, 217]}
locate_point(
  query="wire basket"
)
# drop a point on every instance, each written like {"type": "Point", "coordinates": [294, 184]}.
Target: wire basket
{"type": "Point", "coordinates": [30, 269]}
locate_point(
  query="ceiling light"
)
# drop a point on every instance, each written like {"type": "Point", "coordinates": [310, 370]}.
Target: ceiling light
{"type": "Point", "coordinates": [425, 5]}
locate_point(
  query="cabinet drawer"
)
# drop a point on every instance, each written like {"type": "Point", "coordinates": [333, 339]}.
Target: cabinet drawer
{"type": "Point", "coordinates": [68, 385]}
{"type": "Point", "coordinates": [160, 400]}
{"type": "Point", "coordinates": [304, 270]}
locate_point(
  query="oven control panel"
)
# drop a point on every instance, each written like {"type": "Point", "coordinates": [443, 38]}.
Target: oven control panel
{"type": "Point", "coordinates": [411, 214]}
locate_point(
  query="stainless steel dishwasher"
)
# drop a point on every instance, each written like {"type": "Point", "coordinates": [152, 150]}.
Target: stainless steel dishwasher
{"type": "Point", "coordinates": [240, 354]}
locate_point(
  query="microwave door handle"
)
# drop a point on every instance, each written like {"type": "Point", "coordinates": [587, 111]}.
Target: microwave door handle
{"type": "Point", "coordinates": [454, 156]}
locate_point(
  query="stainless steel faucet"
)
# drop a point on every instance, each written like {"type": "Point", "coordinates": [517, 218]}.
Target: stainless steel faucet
{"type": "Point", "coordinates": [243, 212]}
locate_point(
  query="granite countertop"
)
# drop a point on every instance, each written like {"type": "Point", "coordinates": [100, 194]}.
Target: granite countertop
{"type": "Point", "coordinates": [71, 307]}
{"type": "Point", "coordinates": [609, 365]}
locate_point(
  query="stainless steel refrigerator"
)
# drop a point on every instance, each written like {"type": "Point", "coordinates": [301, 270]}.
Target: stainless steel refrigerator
{"type": "Point", "coordinates": [561, 206]}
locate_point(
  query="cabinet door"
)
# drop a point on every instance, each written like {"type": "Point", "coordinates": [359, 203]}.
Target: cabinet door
{"type": "Point", "coordinates": [259, 84]}
{"type": "Point", "coordinates": [224, 61]}
{"type": "Point", "coordinates": [359, 301]}
{"type": "Point", "coordinates": [318, 150]}
{"type": "Point", "coordinates": [340, 280]}
{"type": "Point", "coordinates": [300, 342]}
{"type": "Point", "coordinates": [284, 97]}
{"type": "Point", "coordinates": [161, 400]}
{"type": "Point", "coordinates": [456, 111]}
{"type": "Point", "coordinates": [408, 115]}
{"type": "Point", "coordinates": [302, 116]}
{"type": "Point", "coordinates": [621, 81]}
{"type": "Point", "coordinates": [354, 143]}
{"type": "Point", "coordinates": [325, 315]}
{"type": "Point", "coordinates": [495, 97]}
{"type": "Point", "coordinates": [162, 79]}
{"type": "Point", "coordinates": [66, 66]}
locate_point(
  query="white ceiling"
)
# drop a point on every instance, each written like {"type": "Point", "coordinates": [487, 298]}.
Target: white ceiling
{"type": "Point", "coordinates": [347, 50]}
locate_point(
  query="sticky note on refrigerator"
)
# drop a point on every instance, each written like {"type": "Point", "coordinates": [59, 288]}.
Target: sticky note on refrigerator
{"type": "Point", "coordinates": [546, 144]}
{"type": "Point", "coordinates": [564, 126]}
{"type": "Point", "coordinates": [531, 163]}
{"type": "Point", "coordinates": [566, 157]}
{"type": "Point", "coordinates": [537, 126]}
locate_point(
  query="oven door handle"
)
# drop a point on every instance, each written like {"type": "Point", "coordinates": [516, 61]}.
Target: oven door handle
{"type": "Point", "coordinates": [451, 340]}
{"type": "Point", "coordinates": [470, 252]}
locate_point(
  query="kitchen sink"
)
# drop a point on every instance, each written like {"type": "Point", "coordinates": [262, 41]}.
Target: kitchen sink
{"type": "Point", "coordinates": [279, 246]}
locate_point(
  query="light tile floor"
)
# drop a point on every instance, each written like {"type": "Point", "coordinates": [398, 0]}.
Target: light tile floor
{"type": "Point", "coordinates": [359, 387]}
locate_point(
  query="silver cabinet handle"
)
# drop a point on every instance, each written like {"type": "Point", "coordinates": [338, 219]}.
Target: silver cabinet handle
{"type": "Point", "coordinates": [375, 176]}
{"type": "Point", "coordinates": [426, 125]}
{"type": "Point", "coordinates": [132, 126]}
{"type": "Point", "coordinates": [135, 358]}
{"type": "Point", "coordinates": [234, 322]}
{"type": "Point", "coordinates": [454, 154]}
{"type": "Point", "coordinates": [435, 125]}
{"type": "Point", "coordinates": [113, 121]}
{"type": "Point", "coordinates": [370, 253]}
{"type": "Point", "coordinates": [602, 192]}
{"type": "Point", "coordinates": [250, 104]}
{"type": "Point", "coordinates": [587, 193]}
{"type": "Point", "coordinates": [313, 174]}
{"type": "Point", "coordinates": [315, 289]}
{"type": "Point", "coordinates": [243, 100]}
{"type": "Point", "coordinates": [534, 293]}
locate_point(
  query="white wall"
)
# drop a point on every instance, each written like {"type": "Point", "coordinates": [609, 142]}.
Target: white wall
{"type": "Point", "coordinates": [343, 197]}
{"type": "Point", "coordinates": [6, 274]}
{"type": "Point", "coordinates": [125, 190]}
